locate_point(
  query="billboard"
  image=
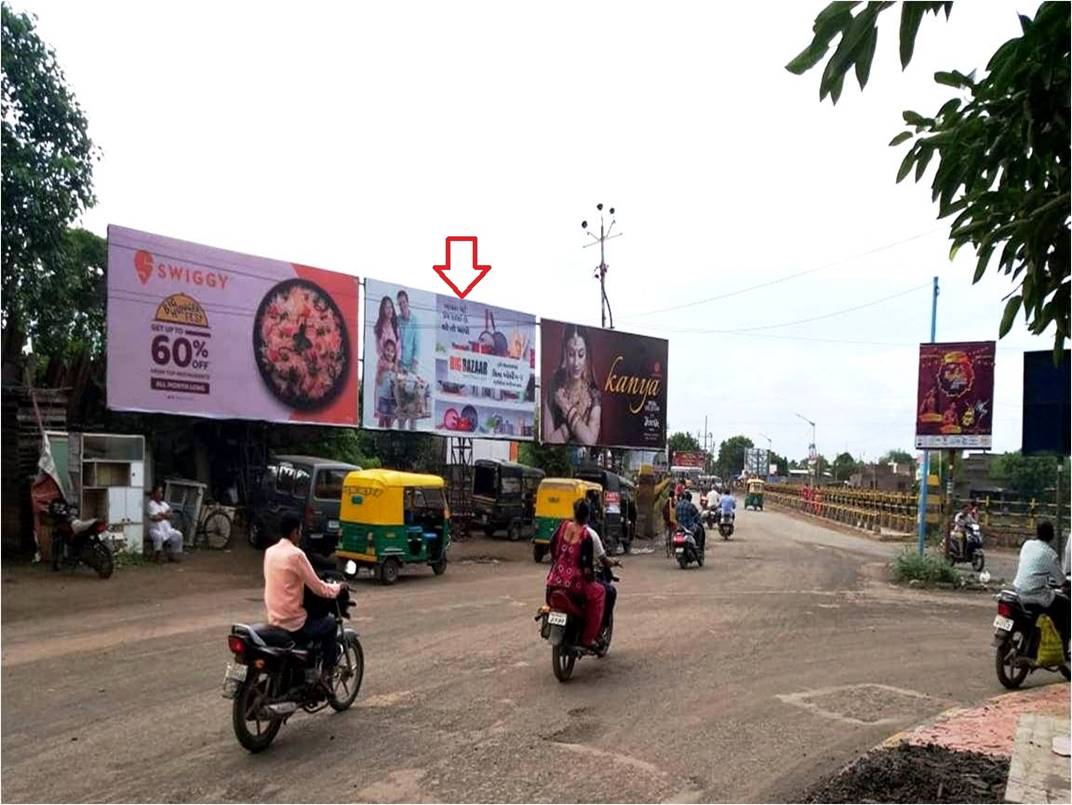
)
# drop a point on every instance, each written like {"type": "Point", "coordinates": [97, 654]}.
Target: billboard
{"type": "Point", "coordinates": [756, 461]}
{"type": "Point", "coordinates": [445, 365]}
{"type": "Point", "coordinates": [955, 400]}
{"type": "Point", "coordinates": [602, 387]}
{"type": "Point", "coordinates": [207, 332]}
{"type": "Point", "coordinates": [1047, 404]}
{"type": "Point", "coordinates": [688, 458]}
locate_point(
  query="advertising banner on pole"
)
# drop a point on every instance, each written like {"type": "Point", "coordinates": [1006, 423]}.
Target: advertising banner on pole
{"type": "Point", "coordinates": [756, 461]}
{"type": "Point", "coordinates": [602, 387]}
{"type": "Point", "coordinates": [955, 395]}
{"type": "Point", "coordinates": [206, 332]}
{"type": "Point", "coordinates": [445, 365]}
{"type": "Point", "coordinates": [688, 458]}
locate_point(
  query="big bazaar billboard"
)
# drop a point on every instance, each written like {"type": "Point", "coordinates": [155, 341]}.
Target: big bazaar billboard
{"type": "Point", "coordinates": [203, 331]}
{"type": "Point", "coordinates": [955, 395]}
{"type": "Point", "coordinates": [446, 365]}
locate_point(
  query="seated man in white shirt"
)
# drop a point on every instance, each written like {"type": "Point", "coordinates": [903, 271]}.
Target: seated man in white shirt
{"type": "Point", "coordinates": [161, 532]}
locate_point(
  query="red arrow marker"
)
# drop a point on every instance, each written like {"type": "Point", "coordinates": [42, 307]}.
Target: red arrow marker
{"type": "Point", "coordinates": [462, 270]}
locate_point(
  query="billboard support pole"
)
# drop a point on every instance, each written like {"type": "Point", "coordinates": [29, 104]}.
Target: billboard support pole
{"type": "Point", "coordinates": [926, 469]}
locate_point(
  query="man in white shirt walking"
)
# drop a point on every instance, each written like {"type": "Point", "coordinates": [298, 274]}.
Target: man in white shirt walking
{"type": "Point", "coordinates": [161, 532]}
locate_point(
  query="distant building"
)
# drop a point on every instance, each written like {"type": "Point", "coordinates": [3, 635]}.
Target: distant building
{"type": "Point", "coordinates": [891, 477]}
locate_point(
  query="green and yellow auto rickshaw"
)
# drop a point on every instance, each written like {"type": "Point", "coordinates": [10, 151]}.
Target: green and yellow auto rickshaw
{"type": "Point", "coordinates": [754, 497]}
{"type": "Point", "coordinates": [555, 498]}
{"type": "Point", "coordinates": [389, 519]}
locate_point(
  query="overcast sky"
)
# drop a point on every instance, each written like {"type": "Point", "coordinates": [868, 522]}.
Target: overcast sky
{"type": "Point", "coordinates": [356, 137]}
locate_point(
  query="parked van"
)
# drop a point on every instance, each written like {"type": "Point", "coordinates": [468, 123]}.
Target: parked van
{"type": "Point", "coordinates": [306, 486]}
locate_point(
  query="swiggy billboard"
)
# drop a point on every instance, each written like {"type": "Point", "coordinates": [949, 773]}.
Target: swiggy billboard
{"type": "Point", "coordinates": [955, 395]}
{"type": "Point", "coordinates": [206, 332]}
{"type": "Point", "coordinates": [602, 387]}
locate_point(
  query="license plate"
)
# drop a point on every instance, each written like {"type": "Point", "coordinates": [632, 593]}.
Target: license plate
{"type": "Point", "coordinates": [679, 550]}
{"type": "Point", "coordinates": [333, 525]}
{"type": "Point", "coordinates": [557, 618]}
{"type": "Point", "coordinates": [233, 679]}
{"type": "Point", "coordinates": [1003, 623]}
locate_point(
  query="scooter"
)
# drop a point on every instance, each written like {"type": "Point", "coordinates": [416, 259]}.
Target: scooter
{"type": "Point", "coordinates": [711, 517]}
{"type": "Point", "coordinates": [686, 550]}
{"type": "Point", "coordinates": [561, 622]}
{"type": "Point", "coordinates": [1026, 640]}
{"type": "Point", "coordinates": [725, 524]}
{"type": "Point", "coordinates": [75, 541]}
{"type": "Point", "coordinates": [972, 550]}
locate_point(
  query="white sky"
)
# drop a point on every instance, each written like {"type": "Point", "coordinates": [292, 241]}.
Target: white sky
{"type": "Point", "coordinates": [356, 137]}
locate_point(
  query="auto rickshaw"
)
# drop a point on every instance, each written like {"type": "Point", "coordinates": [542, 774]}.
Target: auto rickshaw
{"type": "Point", "coordinates": [555, 498]}
{"type": "Point", "coordinates": [389, 519]}
{"type": "Point", "coordinates": [754, 497]}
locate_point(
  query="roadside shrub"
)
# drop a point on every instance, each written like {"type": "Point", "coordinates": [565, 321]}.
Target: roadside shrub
{"type": "Point", "coordinates": [927, 569]}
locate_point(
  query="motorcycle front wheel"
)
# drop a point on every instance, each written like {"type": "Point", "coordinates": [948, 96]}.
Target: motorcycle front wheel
{"type": "Point", "coordinates": [349, 671]}
{"type": "Point", "coordinates": [1010, 675]}
{"type": "Point", "coordinates": [99, 558]}
{"type": "Point", "coordinates": [978, 561]}
{"type": "Point", "coordinates": [246, 711]}
{"type": "Point", "coordinates": [562, 663]}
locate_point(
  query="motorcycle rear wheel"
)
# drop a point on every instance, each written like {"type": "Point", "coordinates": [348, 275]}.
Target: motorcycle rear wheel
{"type": "Point", "coordinates": [682, 562]}
{"type": "Point", "coordinates": [1009, 675]}
{"type": "Point", "coordinates": [245, 710]}
{"type": "Point", "coordinates": [562, 663]}
{"type": "Point", "coordinates": [351, 665]}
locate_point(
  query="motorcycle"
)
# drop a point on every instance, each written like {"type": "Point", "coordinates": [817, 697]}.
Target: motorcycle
{"type": "Point", "coordinates": [75, 541]}
{"type": "Point", "coordinates": [972, 549]}
{"type": "Point", "coordinates": [272, 677]}
{"type": "Point", "coordinates": [725, 525]}
{"type": "Point", "coordinates": [561, 622]}
{"type": "Point", "coordinates": [686, 549]}
{"type": "Point", "coordinates": [1026, 640]}
{"type": "Point", "coordinates": [711, 518]}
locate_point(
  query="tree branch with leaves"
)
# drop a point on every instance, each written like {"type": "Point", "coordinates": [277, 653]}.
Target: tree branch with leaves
{"type": "Point", "coordinates": [1002, 144]}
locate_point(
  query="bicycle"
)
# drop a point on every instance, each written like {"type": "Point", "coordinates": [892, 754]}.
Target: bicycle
{"type": "Point", "coordinates": [214, 526]}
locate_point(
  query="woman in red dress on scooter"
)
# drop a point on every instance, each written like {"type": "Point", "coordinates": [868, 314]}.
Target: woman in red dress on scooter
{"type": "Point", "coordinates": [572, 570]}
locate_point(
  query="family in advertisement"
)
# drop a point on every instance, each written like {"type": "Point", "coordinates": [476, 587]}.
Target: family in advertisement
{"type": "Point", "coordinates": [197, 330]}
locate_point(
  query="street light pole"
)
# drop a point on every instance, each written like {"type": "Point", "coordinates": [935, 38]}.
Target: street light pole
{"type": "Point", "coordinates": [815, 471]}
{"type": "Point", "coordinates": [601, 269]}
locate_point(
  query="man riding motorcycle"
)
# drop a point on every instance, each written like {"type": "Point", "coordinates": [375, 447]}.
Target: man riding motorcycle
{"type": "Point", "coordinates": [688, 519]}
{"type": "Point", "coordinates": [1038, 573]}
{"type": "Point", "coordinates": [967, 516]}
{"type": "Point", "coordinates": [727, 503]}
{"type": "Point", "coordinates": [287, 572]}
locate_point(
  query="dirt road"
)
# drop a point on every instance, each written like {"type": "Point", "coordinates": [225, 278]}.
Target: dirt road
{"type": "Point", "coordinates": [781, 659]}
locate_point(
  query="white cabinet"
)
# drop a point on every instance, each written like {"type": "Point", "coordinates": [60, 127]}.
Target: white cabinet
{"type": "Point", "coordinates": [137, 474]}
{"type": "Point", "coordinates": [135, 505]}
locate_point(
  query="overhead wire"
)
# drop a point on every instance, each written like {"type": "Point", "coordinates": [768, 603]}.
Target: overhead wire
{"type": "Point", "coordinates": [786, 278]}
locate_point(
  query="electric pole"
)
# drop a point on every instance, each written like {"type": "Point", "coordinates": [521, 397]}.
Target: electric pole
{"type": "Point", "coordinates": [601, 270]}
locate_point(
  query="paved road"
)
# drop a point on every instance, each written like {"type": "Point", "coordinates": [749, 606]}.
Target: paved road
{"type": "Point", "coordinates": [746, 680]}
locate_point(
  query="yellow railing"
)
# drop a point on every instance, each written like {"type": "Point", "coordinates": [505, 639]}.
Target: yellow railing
{"type": "Point", "coordinates": [897, 511]}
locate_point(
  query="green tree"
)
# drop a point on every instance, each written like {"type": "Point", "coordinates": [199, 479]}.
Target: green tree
{"type": "Point", "coordinates": [72, 280]}
{"type": "Point", "coordinates": [731, 455]}
{"type": "Point", "coordinates": [782, 462]}
{"type": "Point", "coordinates": [899, 457]}
{"type": "Point", "coordinates": [551, 458]}
{"type": "Point", "coordinates": [341, 444]}
{"type": "Point", "coordinates": [47, 181]}
{"type": "Point", "coordinates": [1002, 143]}
{"type": "Point", "coordinates": [1031, 477]}
{"type": "Point", "coordinates": [682, 442]}
{"type": "Point", "coordinates": [844, 466]}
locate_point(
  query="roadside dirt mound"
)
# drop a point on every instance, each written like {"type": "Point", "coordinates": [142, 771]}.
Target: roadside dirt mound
{"type": "Point", "coordinates": [916, 774]}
